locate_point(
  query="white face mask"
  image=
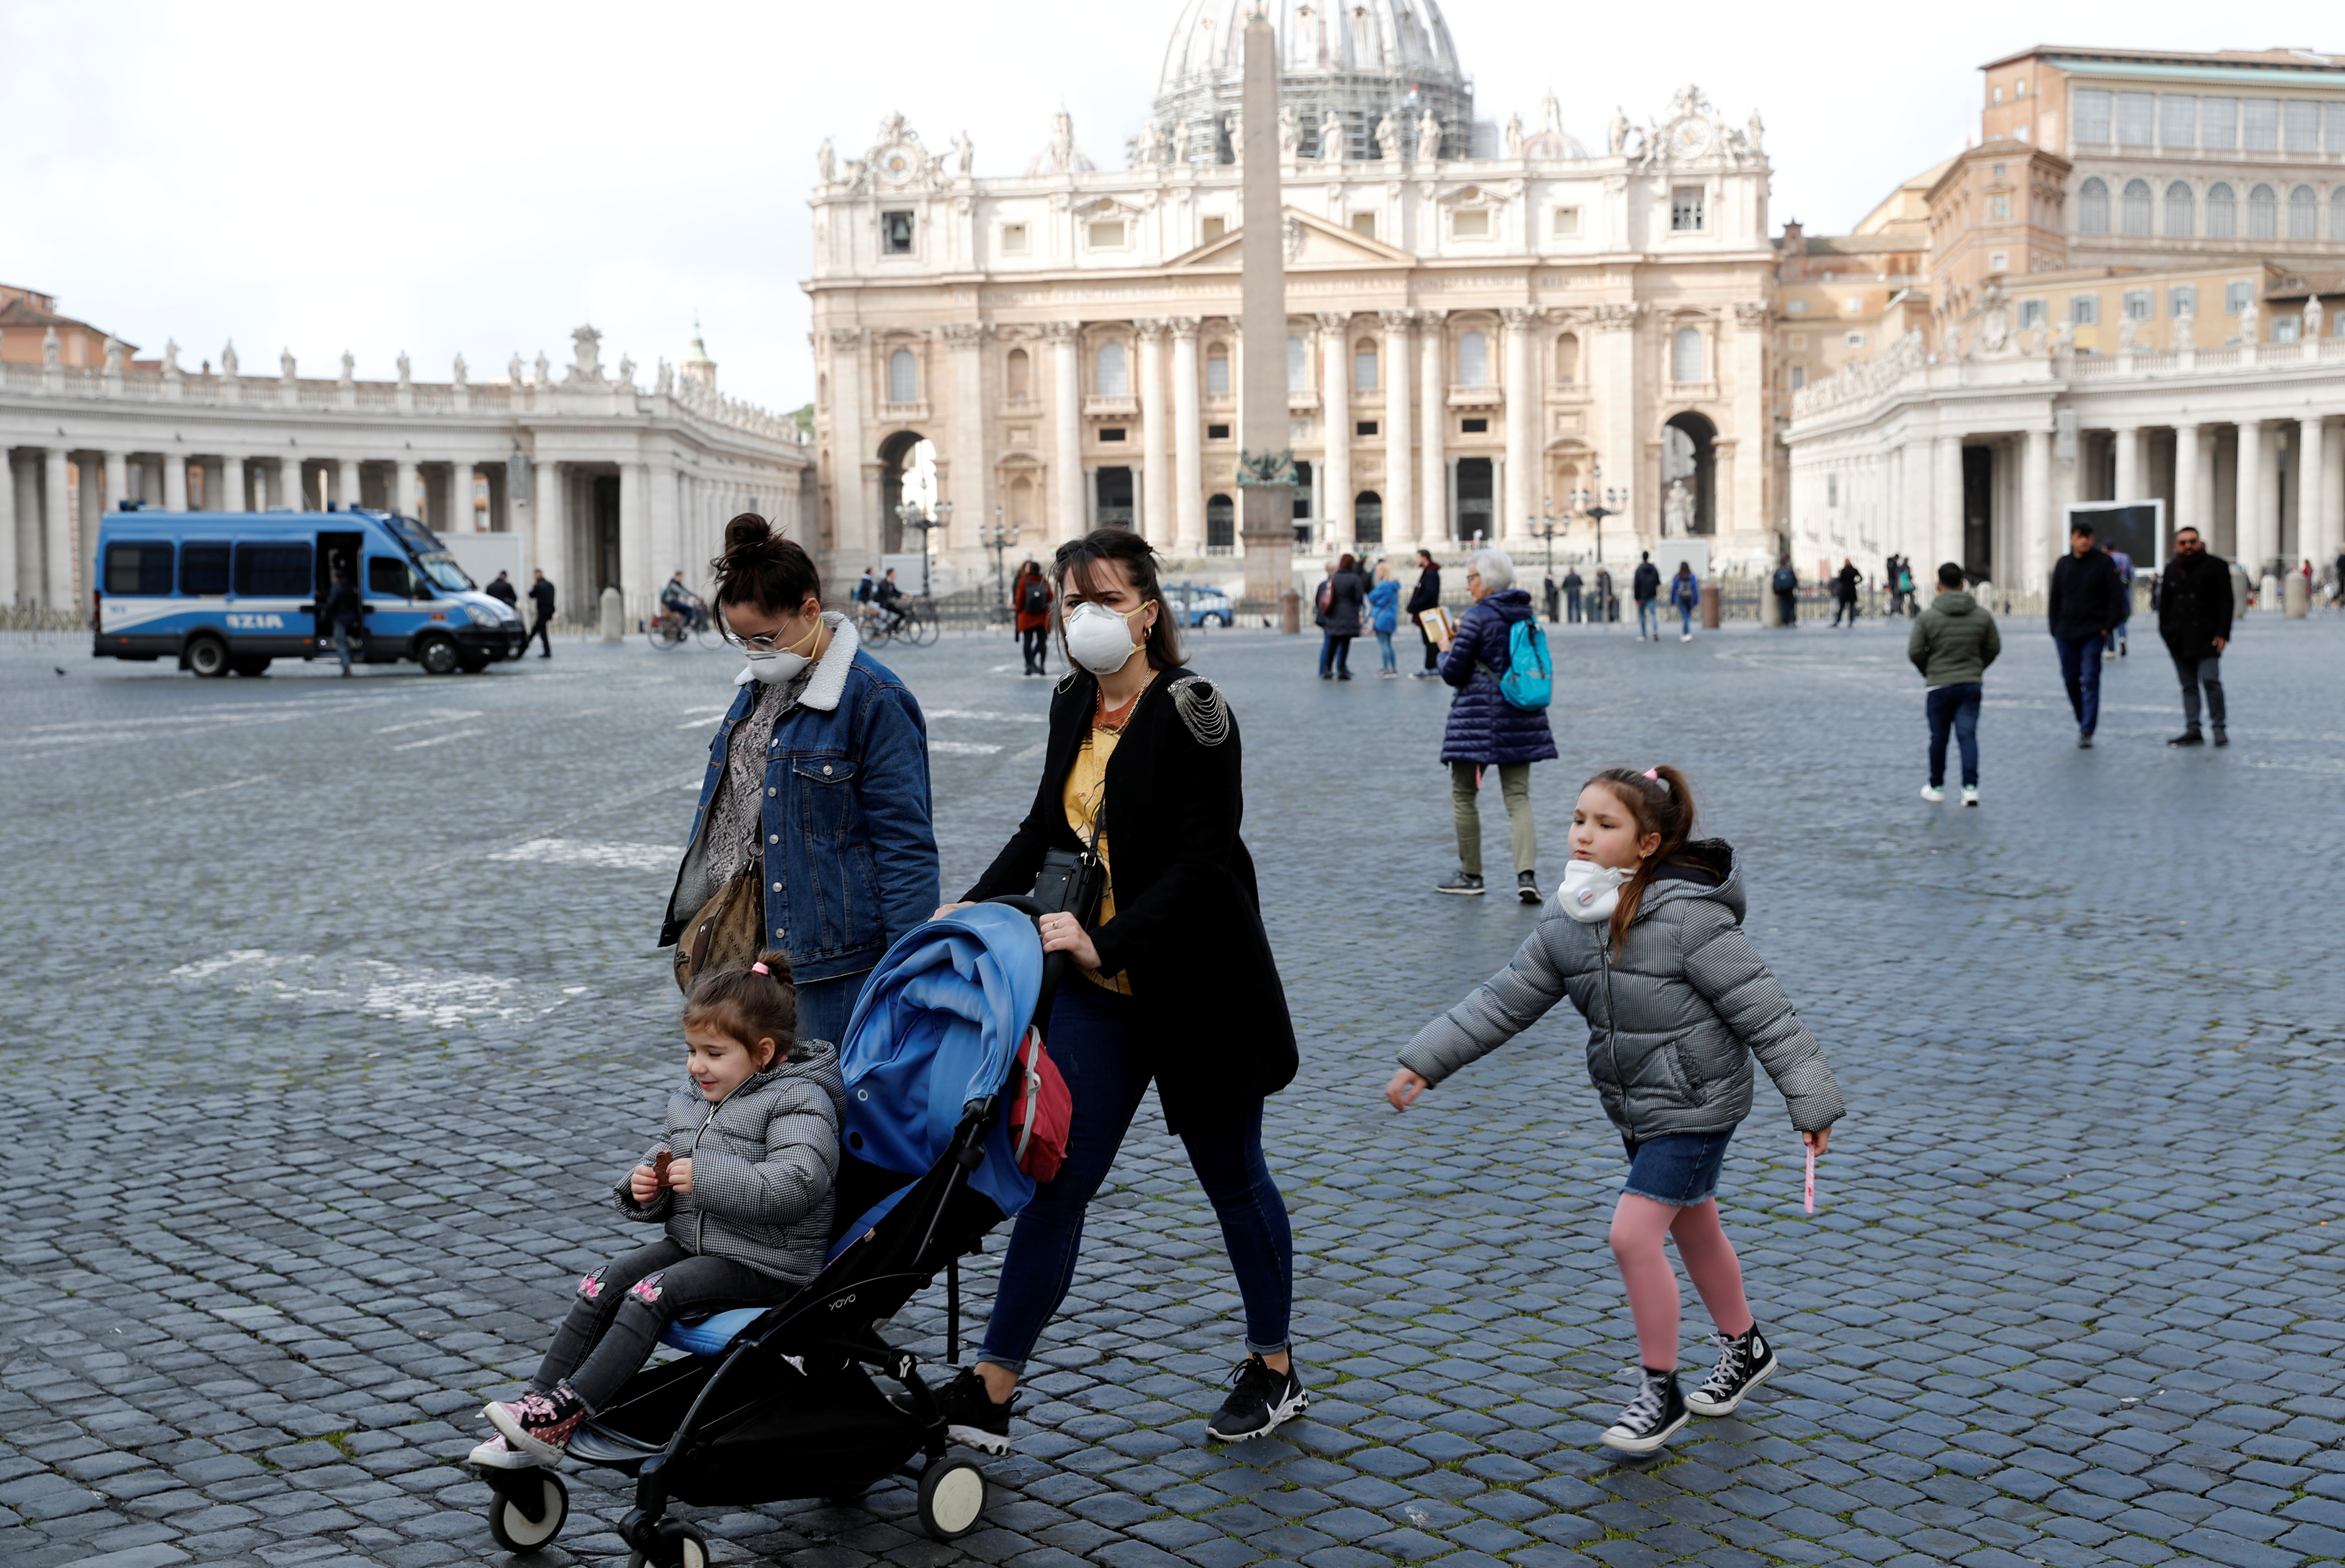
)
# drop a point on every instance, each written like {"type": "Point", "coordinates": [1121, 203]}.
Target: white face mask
{"type": "Point", "coordinates": [1100, 639]}
{"type": "Point", "coordinates": [1591, 893]}
{"type": "Point", "coordinates": [777, 666]}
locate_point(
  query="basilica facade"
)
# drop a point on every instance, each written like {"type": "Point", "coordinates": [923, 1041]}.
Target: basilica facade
{"type": "Point", "coordinates": [1493, 330]}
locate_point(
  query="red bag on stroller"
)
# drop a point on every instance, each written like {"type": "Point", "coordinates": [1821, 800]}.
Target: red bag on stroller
{"type": "Point", "coordinates": [1042, 1108]}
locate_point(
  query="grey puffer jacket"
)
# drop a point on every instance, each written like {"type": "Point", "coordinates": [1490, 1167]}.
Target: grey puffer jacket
{"type": "Point", "coordinates": [1672, 1021]}
{"type": "Point", "coordinates": [764, 1159]}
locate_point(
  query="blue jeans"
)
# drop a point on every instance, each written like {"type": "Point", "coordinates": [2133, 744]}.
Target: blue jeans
{"type": "Point", "coordinates": [1685, 618]}
{"type": "Point", "coordinates": [824, 1006]}
{"type": "Point", "coordinates": [1385, 652]}
{"type": "Point", "coordinates": [1335, 652]}
{"type": "Point", "coordinates": [2080, 672]}
{"type": "Point", "coordinates": [1955, 707]}
{"type": "Point", "coordinates": [1649, 613]}
{"type": "Point", "coordinates": [1090, 1039]}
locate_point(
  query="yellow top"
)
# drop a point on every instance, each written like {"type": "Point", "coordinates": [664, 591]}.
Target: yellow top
{"type": "Point", "coordinates": [1085, 795]}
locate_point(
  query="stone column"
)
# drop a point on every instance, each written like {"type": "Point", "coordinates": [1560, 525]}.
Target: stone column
{"type": "Point", "coordinates": [57, 534]}
{"type": "Point", "coordinates": [1336, 409]}
{"type": "Point", "coordinates": [1524, 405]}
{"type": "Point", "coordinates": [1747, 513]}
{"type": "Point", "coordinates": [175, 482]}
{"type": "Point", "coordinates": [2187, 514]}
{"type": "Point", "coordinates": [10, 590]}
{"type": "Point", "coordinates": [407, 487]}
{"type": "Point", "coordinates": [664, 533]}
{"type": "Point", "coordinates": [2126, 439]}
{"type": "Point", "coordinates": [545, 504]}
{"type": "Point", "coordinates": [1155, 456]}
{"type": "Point", "coordinates": [460, 498]}
{"type": "Point", "coordinates": [2331, 493]}
{"type": "Point", "coordinates": [2250, 533]}
{"type": "Point", "coordinates": [1070, 507]}
{"type": "Point", "coordinates": [973, 456]}
{"type": "Point", "coordinates": [1189, 438]}
{"type": "Point", "coordinates": [2036, 510]}
{"type": "Point", "coordinates": [291, 493]}
{"type": "Point", "coordinates": [117, 479]}
{"type": "Point", "coordinates": [231, 485]}
{"type": "Point", "coordinates": [856, 534]}
{"type": "Point", "coordinates": [1432, 467]}
{"type": "Point", "coordinates": [635, 580]}
{"type": "Point", "coordinates": [2312, 526]}
{"type": "Point", "coordinates": [1400, 515]}
{"type": "Point", "coordinates": [347, 493]}
{"type": "Point", "coordinates": [1621, 450]}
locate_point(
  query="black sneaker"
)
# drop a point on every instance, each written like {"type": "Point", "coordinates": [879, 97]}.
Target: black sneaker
{"type": "Point", "coordinates": [2188, 737]}
{"type": "Point", "coordinates": [972, 1418]}
{"type": "Point", "coordinates": [2221, 739]}
{"type": "Point", "coordinates": [2084, 743]}
{"type": "Point", "coordinates": [1526, 888]}
{"type": "Point", "coordinates": [1465, 884]}
{"type": "Point", "coordinates": [1652, 1418]}
{"type": "Point", "coordinates": [1745, 1360]}
{"type": "Point", "coordinates": [1260, 1403]}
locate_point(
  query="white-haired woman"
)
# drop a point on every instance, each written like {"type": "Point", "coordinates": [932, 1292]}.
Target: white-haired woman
{"type": "Point", "coordinates": [1485, 730]}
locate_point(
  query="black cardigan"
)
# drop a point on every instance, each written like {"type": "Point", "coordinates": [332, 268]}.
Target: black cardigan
{"type": "Point", "coordinates": [1188, 921]}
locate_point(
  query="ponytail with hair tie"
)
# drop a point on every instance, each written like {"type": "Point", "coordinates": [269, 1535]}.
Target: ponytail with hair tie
{"type": "Point", "coordinates": [759, 1003]}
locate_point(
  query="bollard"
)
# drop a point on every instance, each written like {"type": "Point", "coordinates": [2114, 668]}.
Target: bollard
{"type": "Point", "coordinates": [615, 615]}
{"type": "Point", "coordinates": [2268, 595]}
{"type": "Point", "coordinates": [2298, 597]}
{"type": "Point", "coordinates": [1290, 613]}
{"type": "Point", "coordinates": [1710, 608]}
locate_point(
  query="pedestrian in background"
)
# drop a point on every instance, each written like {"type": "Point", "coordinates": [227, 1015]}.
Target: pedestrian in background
{"type": "Point", "coordinates": [1685, 597]}
{"type": "Point", "coordinates": [1572, 583]}
{"type": "Point", "coordinates": [1552, 598]}
{"type": "Point", "coordinates": [1889, 577]}
{"type": "Point", "coordinates": [2116, 641]}
{"type": "Point", "coordinates": [1905, 586]}
{"type": "Point", "coordinates": [2194, 620]}
{"type": "Point", "coordinates": [1340, 597]}
{"type": "Point", "coordinates": [1424, 596]}
{"type": "Point", "coordinates": [345, 612]}
{"type": "Point", "coordinates": [1032, 597]}
{"type": "Point", "coordinates": [504, 592]}
{"type": "Point", "coordinates": [1786, 585]}
{"type": "Point", "coordinates": [1486, 731]}
{"type": "Point", "coordinates": [1607, 607]}
{"type": "Point", "coordinates": [1952, 644]}
{"type": "Point", "coordinates": [2082, 610]}
{"type": "Point", "coordinates": [1645, 586]}
{"type": "Point", "coordinates": [1846, 582]}
{"type": "Point", "coordinates": [541, 599]}
{"type": "Point", "coordinates": [1383, 618]}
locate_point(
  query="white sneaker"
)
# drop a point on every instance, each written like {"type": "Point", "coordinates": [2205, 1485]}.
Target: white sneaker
{"type": "Point", "coordinates": [1685, 637]}
{"type": "Point", "coordinates": [1970, 794]}
{"type": "Point", "coordinates": [1932, 793]}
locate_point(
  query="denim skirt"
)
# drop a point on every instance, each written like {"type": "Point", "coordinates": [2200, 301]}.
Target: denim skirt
{"type": "Point", "coordinates": [1680, 1169]}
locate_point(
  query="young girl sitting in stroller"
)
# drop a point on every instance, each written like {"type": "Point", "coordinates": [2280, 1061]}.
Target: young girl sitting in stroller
{"type": "Point", "coordinates": [742, 1177]}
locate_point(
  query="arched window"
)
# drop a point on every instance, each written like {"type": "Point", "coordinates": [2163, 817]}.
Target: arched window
{"type": "Point", "coordinates": [1113, 381]}
{"type": "Point", "coordinates": [2337, 226]}
{"type": "Point", "coordinates": [2222, 213]}
{"type": "Point", "coordinates": [2303, 214]}
{"type": "Point", "coordinates": [1364, 366]}
{"type": "Point", "coordinates": [2135, 216]}
{"type": "Point", "coordinates": [1685, 355]}
{"type": "Point", "coordinates": [1221, 524]}
{"type": "Point", "coordinates": [1021, 375]}
{"type": "Point", "coordinates": [1567, 359]}
{"type": "Point", "coordinates": [2263, 213]}
{"type": "Point", "coordinates": [1473, 361]}
{"type": "Point", "coordinates": [1217, 372]}
{"type": "Point", "coordinates": [2181, 211]}
{"type": "Point", "coordinates": [1368, 518]}
{"type": "Point", "coordinates": [2093, 207]}
{"type": "Point", "coordinates": [903, 377]}
{"type": "Point", "coordinates": [1298, 365]}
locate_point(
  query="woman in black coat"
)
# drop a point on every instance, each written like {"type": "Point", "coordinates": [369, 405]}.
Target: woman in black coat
{"type": "Point", "coordinates": [1348, 591]}
{"type": "Point", "coordinates": [1173, 980]}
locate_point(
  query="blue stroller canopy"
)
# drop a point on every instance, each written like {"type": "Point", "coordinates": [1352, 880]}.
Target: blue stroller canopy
{"type": "Point", "coordinates": [936, 1027]}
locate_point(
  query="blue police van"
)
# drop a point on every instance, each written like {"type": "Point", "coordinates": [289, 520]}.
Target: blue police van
{"type": "Point", "coordinates": [221, 591]}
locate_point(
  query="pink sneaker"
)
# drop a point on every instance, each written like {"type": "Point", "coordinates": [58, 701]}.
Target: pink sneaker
{"type": "Point", "coordinates": [496, 1454]}
{"type": "Point", "coordinates": [539, 1424]}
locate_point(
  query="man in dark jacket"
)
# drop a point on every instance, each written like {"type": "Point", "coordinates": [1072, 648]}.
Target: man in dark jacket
{"type": "Point", "coordinates": [541, 599]}
{"type": "Point", "coordinates": [2083, 609]}
{"type": "Point", "coordinates": [1342, 594]}
{"type": "Point", "coordinates": [345, 612]}
{"type": "Point", "coordinates": [1952, 644]}
{"type": "Point", "coordinates": [1645, 586]}
{"type": "Point", "coordinates": [1486, 731]}
{"type": "Point", "coordinates": [1786, 585]}
{"type": "Point", "coordinates": [503, 592]}
{"type": "Point", "coordinates": [2194, 616]}
{"type": "Point", "coordinates": [1845, 584]}
{"type": "Point", "coordinates": [1421, 598]}
{"type": "Point", "coordinates": [1572, 584]}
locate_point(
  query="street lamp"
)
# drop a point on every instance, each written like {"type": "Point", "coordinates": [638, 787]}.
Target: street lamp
{"type": "Point", "coordinates": [1543, 528]}
{"type": "Point", "coordinates": [998, 539]}
{"type": "Point", "coordinates": [1595, 504]}
{"type": "Point", "coordinates": [910, 515]}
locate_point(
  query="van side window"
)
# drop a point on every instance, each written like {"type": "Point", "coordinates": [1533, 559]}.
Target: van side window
{"type": "Point", "coordinates": [138, 569]}
{"type": "Point", "coordinates": [203, 570]}
{"type": "Point", "coordinates": [273, 570]}
{"type": "Point", "coordinates": [386, 574]}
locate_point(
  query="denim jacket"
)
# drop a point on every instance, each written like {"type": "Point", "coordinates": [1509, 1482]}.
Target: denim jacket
{"type": "Point", "coordinates": [850, 850]}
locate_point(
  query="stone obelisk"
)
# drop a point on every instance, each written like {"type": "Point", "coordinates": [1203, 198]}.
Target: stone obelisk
{"type": "Point", "coordinates": [1267, 465]}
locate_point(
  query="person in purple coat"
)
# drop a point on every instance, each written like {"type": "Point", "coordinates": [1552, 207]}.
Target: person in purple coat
{"type": "Point", "coordinates": [1485, 730]}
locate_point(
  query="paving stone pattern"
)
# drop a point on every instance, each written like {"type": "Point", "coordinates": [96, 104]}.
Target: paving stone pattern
{"type": "Point", "coordinates": [331, 1010]}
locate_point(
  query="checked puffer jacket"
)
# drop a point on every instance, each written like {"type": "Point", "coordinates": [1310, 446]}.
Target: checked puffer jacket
{"type": "Point", "coordinates": [1673, 1019]}
{"type": "Point", "coordinates": [765, 1160]}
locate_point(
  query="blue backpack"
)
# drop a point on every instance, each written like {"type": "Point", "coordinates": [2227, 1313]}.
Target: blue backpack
{"type": "Point", "coordinates": [1529, 681]}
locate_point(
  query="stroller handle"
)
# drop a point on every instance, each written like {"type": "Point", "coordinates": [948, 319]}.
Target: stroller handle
{"type": "Point", "coordinates": [1054, 965]}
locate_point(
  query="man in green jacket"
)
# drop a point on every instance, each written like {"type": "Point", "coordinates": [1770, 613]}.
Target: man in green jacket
{"type": "Point", "coordinates": [1952, 644]}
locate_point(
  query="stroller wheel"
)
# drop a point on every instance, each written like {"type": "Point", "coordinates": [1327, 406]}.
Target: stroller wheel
{"type": "Point", "coordinates": [510, 1522]}
{"type": "Point", "coordinates": [680, 1546]}
{"type": "Point", "coordinates": [952, 1496]}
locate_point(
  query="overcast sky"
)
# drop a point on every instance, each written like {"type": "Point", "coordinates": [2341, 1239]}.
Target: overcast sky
{"type": "Point", "coordinates": [483, 177]}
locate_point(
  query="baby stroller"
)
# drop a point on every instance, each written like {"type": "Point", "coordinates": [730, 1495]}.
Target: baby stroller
{"type": "Point", "coordinates": [775, 1402]}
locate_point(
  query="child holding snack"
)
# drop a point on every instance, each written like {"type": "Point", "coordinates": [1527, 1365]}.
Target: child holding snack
{"type": "Point", "coordinates": [1646, 938]}
{"type": "Point", "coordinates": [741, 1178]}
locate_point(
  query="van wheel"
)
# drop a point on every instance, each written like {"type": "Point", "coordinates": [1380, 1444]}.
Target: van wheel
{"type": "Point", "coordinates": [251, 663]}
{"type": "Point", "coordinates": [207, 657]}
{"type": "Point", "coordinates": [437, 656]}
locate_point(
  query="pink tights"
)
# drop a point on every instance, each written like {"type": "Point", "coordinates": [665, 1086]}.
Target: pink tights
{"type": "Point", "coordinates": [1639, 1226]}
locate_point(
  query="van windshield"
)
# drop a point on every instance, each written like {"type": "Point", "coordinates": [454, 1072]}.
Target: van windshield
{"type": "Point", "coordinates": [441, 568]}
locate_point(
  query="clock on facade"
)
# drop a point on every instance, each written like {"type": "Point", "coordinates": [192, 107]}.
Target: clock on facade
{"type": "Point", "coordinates": [1689, 137]}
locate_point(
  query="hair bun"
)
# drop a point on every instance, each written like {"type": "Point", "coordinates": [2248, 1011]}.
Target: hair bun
{"type": "Point", "coordinates": [778, 966]}
{"type": "Point", "coordinates": [746, 535]}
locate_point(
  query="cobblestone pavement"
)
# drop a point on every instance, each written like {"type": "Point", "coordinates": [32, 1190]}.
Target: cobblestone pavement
{"type": "Point", "coordinates": [332, 1009]}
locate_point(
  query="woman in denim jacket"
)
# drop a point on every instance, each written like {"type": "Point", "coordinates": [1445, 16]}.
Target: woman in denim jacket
{"type": "Point", "coordinates": [822, 765]}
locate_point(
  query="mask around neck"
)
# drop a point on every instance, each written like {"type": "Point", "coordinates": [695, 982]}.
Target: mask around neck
{"type": "Point", "coordinates": [1591, 893]}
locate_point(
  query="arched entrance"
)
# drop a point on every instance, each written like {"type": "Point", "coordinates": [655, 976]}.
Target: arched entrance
{"type": "Point", "coordinates": [1689, 476]}
{"type": "Point", "coordinates": [908, 473]}
{"type": "Point", "coordinates": [1368, 518]}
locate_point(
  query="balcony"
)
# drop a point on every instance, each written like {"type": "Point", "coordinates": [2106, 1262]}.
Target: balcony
{"type": "Point", "coordinates": [1302, 399]}
{"type": "Point", "coordinates": [903, 413]}
{"type": "Point", "coordinates": [1112, 405]}
{"type": "Point", "coordinates": [1476, 397]}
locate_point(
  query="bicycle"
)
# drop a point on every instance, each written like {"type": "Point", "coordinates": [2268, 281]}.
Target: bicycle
{"type": "Point", "coordinates": [921, 631]}
{"type": "Point", "coordinates": [675, 625]}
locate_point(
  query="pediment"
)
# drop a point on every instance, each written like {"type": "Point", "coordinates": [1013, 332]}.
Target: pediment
{"type": "Point", "coordinates": [1310, 242]}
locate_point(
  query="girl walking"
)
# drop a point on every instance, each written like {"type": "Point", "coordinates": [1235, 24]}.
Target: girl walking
{"type": "Point", "coordinates": [741, 1177]}
{"type": "Point", "coordinates": [1384, 618]}
{"type": "Point", "coordinates": [1646, 938]}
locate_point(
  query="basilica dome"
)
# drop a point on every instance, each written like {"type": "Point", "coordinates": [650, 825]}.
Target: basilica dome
{"type": "Point", "coordinates": [1363, 58]}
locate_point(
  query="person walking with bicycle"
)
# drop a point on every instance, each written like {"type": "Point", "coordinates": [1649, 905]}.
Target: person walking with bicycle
{"type": "Point", "coordinates": [1031, 597]}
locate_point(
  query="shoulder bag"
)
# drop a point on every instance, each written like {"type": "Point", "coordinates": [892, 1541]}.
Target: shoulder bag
{"type": "Point", "coordinates": [729, 929]}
